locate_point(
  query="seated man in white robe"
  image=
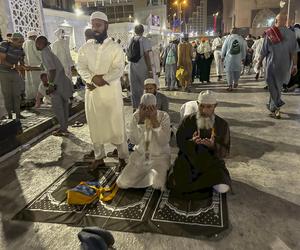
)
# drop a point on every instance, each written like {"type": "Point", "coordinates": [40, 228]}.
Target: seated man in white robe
{"type": "Point", "coordinates": [150, 132]}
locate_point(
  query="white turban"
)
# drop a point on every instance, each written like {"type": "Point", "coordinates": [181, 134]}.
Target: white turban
{"type": "Point", "coordinates": [99, 15]}
{"type": "Point", "coordinates": [32, 33]}
{"type": "Point", "coordinates": [148, 100]}
{"type": "Point", "coordinates": [149, 81]}
{"type": "Point", "coordinates": [207, 97]}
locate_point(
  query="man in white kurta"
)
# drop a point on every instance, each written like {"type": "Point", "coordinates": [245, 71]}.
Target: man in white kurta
{"type": "Point", "coordinates": [101, 64]}
{"type": "Point", "coordinates": [61, 49]}
{"type": "Point", "coordinates": [32, 58]}
{"type": "Point", "coordinates": [150, 132]}
{"type": "Point", "coordinates": [216, 48]}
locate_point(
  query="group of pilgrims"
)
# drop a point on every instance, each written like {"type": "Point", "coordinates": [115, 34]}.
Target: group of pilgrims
{"type": "Point", "coordinates": [203, 138]}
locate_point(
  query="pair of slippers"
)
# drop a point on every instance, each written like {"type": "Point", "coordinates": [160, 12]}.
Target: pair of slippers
{"type": "Point", "coordinates": [77, 124]}
{"type": "Point", "coordinates": [95, 238]}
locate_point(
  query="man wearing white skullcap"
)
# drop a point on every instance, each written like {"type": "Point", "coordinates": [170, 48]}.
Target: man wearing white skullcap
{"type": "Point", "coordinates": [150, 132]}
{"type": "Point", "coordinates": [60, 47]}
{"type": "Point", "coordinates": [162, 102]}
{"type": "Point", "coordinates": [32, 58]}
{"type": "Point", "coordinates": [203, 139]}
{"type": "Point", "coordinates": [101, 65]}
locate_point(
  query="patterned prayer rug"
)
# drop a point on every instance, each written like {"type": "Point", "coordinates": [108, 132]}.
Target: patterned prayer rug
{"type": "Point", "coordinates": [131, 210]}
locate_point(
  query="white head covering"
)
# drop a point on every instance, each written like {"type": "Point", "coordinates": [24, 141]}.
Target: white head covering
{"type": "Point", "coordinates": [148, 100]}
{"type": "Point", "coordinates": [32, 33]}
{"type": "Point", "coordinates": [207, 97]}
{"type": "Point", "coordinates": [59, 32]}
{"type": "Point", "coordinates": [98, 15]}
{"type": "Point", "coordinates": [149, 81]}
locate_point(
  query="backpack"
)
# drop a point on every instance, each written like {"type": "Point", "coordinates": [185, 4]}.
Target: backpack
{"type": "Point", "coordinates": [170, 57]}
{"type": "Point", "coordinates": [134, 51]}
{"type": "Point", "coordinates": [235, 47]}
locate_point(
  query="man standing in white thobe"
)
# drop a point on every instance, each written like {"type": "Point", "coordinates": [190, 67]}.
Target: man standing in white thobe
{"type": "Point", "coordinates": [101, 65]}
{"type": "Point", "coordinates": [32, 58]}
{"type": "Point", "coordinates": [150, 132]}
{"type": "Point", "coordinates": [217, 47]}
{"type": "Point", "coordinates": [61, 49]}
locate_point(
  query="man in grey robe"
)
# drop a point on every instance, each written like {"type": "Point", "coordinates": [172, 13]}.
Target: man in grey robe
{"type": "Point", "coordinates": [170, 62]}
{"type": "Point", "coordinates": [233, 54]}
{"type": "Point", "coordinates": [60, 86]}
{"type": "Point", "coordinates": [141, 70]}
{"type": "Point", "coordinates": [281, 61]}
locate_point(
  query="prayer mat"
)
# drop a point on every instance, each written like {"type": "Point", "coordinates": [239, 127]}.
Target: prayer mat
{"type": "Point", "coordinates": [131, 210]}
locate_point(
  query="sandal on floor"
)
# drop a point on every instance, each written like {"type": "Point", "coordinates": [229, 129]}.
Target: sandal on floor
{"type": "Point", "coordinates": [275, 115]}
{"type": "Point", "coordinates": [229, 89]}
{"type": "Point", "coordinates": [113, 154]}
{"type": "Point", "coordinates": [77, 124]}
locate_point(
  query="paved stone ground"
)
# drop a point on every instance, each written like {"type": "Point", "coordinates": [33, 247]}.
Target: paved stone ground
{"type": "Point", "coordinates": [264, 210]}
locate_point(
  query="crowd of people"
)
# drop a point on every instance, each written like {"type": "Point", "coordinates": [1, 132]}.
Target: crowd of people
{"type": "Point", "coordinates": [203, 138]}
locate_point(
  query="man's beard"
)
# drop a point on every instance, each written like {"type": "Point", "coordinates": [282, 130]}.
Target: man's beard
{"type": "Point", "coordinates": [205, 122]}
{"type": "Point", "coordinates": [100, 37]}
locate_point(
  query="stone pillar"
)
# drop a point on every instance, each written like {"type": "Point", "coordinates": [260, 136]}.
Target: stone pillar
{"type": "Point", "coordinates": [21, 16]}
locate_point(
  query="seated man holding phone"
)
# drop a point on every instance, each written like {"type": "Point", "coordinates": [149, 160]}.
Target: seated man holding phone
{"type": "Point", "coordinates": [203, 139]}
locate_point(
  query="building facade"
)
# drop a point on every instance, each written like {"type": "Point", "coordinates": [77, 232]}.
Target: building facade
{"type": "Point", "coordinates": [197, 22]}
{"type": "Point", "coordinates": [116, 10]}
{"type": "Point", "coordinates": [254, 16]}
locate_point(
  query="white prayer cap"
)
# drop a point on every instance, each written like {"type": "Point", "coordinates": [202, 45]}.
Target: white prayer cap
{"type": "Point", "coordinates": [148, 100]}
{"type": "Point", "coordinates": [149, 81]}
{"type": "Point", "coordinates": [207, 97]}
{"type": "Point", "coordinates": [98, 15]}
{"type": "Point", "coordinates": [32, 33]}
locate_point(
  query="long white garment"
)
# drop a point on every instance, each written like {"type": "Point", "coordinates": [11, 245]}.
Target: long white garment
{"type": "Point", "coordinates": [138, 173]}
{"type": "Point", "coordinates": [32, 78]}
{"type": "Point", "coordinates": [103, 105]}
{"type": "Point", "coordinates": [217, 43]}
{"type": "Point", "coordinates": [155, 63]}
{"type": "Point", "coordinates": [216, 47]}
{"type": "Point", "coordinates": [257, 47]}
{"type": "Point", "coordinates": [61, 49]}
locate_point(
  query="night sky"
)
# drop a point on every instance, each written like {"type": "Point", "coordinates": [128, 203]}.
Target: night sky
{"type": "Point", "coordinates": [214, 6]}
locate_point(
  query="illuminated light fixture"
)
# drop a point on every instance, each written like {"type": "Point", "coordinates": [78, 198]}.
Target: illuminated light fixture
{"type": "Point", "coordinates": [136, 22]}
